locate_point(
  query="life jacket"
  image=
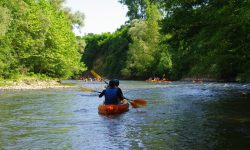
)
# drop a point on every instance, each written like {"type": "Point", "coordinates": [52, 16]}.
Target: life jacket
{"type": "Point", "coordinates": [111, 96]}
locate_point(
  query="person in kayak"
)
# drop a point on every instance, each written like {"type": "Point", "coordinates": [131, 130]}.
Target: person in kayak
{"type": "Point", "coordinates": [113, 95]}
{"type": "Point", "coordinates": [117, 86]}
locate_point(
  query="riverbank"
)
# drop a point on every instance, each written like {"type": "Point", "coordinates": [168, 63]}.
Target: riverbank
{"type": "Point", "coordinates": [32, 84]}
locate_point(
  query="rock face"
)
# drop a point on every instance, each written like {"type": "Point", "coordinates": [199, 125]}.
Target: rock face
{"type": "Point", "coordinates": [31, 84]}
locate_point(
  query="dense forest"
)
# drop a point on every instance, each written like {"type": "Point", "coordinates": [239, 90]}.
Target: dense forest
{"type": "Point", "coordinates": [177, 38]}
{"type": "Point", "coordinates": [36, 38]}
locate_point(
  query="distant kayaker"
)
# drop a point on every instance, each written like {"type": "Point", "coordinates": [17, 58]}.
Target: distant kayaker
{"type": "Point", "coordinates": [113, 95]}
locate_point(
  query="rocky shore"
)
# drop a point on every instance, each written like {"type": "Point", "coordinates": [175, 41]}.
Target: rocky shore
{"type": "Point", "coordinates": [31, 84]}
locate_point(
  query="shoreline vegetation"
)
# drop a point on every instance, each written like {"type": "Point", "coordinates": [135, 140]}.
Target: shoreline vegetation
{"type": "Point", "coordinates": [153, 43]}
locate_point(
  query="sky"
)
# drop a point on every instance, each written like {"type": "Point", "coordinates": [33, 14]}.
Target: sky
{"type": "Point", "coordinates": [100, 15]}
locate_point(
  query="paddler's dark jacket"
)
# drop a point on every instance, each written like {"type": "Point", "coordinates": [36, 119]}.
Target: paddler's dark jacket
{"type": "Point", "coordinates": [113, 95]}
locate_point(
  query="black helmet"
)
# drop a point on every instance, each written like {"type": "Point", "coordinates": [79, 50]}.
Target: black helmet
{"type": "Point", "coordinates": [112, 83]}
{"type": "Point", "coordinates": [116, 82]}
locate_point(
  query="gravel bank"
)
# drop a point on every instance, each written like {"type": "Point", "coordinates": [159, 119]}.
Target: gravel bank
{"type": "Point", "coordinates": [22, 85]}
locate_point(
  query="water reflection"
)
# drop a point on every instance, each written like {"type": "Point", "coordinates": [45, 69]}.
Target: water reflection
{"type": "Point", "coordinates": [179, 115]}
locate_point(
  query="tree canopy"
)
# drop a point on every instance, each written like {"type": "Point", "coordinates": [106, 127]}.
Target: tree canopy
{"type": "Point", "coordinates": [37, 38]}
{"type": "Point", "coordinates": [176, 38]}
{"type": "Point", "coordinates": [198, 39]}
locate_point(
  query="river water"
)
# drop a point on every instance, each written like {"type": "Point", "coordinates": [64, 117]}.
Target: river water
{"type": "Point", "coordinates": [179, 115]}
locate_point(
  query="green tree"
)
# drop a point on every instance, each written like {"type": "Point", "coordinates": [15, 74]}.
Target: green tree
{"type": "Point", "coordinates": [5, 20]}
{"type": "Point", "coordinates": [210, 38]}
{"type": "Point", "coordinates": [146, 56]}
{"type": "Point", "coordinates": [106, 53]}
{"type": "Point", "coordinates": [40, 40]}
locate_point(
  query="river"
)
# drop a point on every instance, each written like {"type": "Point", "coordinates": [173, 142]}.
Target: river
{"type": "Point", "coordinates": [179, 115]}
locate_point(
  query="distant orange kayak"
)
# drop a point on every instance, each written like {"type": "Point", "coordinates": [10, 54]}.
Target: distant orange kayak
{"type": "Point", "coordinates": [158, 81]}
{"type": "Point", "coordinates": [113, 109]}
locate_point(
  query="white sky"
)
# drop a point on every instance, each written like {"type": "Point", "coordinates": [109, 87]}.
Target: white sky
{"type": "Point", "coordinates": [100, 15]}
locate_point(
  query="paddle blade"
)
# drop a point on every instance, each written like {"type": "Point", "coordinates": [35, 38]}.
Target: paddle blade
{"type": "Point", "coordinates": [140, 102]}
{"type": "Point", "coordinates": [134, 105]}
{"type": "Point", "coordinates": [85, 89]}
{"type": "Point", "coordinates": [95, 74]}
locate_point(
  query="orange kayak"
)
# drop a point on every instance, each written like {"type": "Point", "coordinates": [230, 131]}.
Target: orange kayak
{"type": "Point", "coordinates": [113, 109]}
{"type": "Point", "coordinates": [158, 81]}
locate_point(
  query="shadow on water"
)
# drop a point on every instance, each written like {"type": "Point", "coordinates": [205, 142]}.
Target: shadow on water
{"type": "Point", "coordinates": [179, 115]}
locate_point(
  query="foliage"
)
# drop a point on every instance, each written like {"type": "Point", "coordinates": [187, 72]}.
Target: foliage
{"type": "Point", "coordinates": [107, 52]}
{"type": "Point", "coordinates": [180, 38]}
{"type": "Point", "coordinates": [139, 55]}
{"type": "Point", "coordinates": [136, 8]}
{"type": "Point", "coordinates": [145, 58]}
{"type": "Point", "coordinates": [39, 40]}
{"type": "Point", "coordinates": [5, 20]}
{"type": "Point", "coordinates": [210, 38]}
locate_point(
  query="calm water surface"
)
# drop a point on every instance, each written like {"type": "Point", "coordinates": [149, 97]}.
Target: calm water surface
{"type": "Point", "coordinates": [179, 115]}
